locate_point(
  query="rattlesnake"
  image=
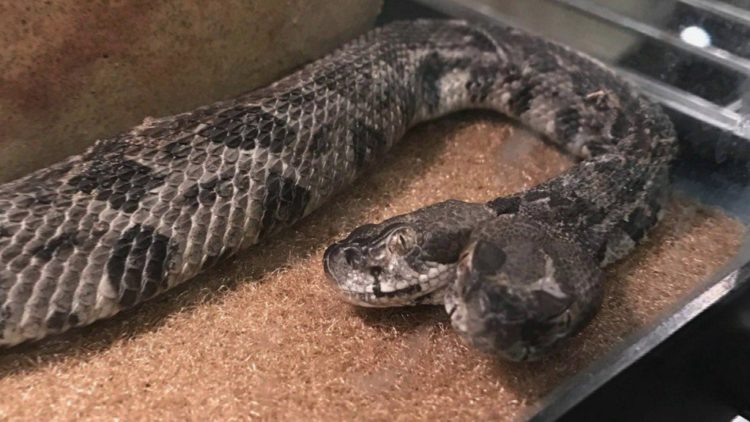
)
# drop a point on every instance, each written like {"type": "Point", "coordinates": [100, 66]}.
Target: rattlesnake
{"type": "Point", "coordinates": [141, 212]}
{"type": "Point", "coordinates": [519, 273]}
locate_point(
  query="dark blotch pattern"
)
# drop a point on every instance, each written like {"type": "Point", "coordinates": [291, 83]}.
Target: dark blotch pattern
{"type": "Point", "coordinates": [444, 245]}
{"type": "Point", "coordinates": [206, 193]}
{"type": "Point", "coordinates": [63, 243]}
{"type": "Point", "coordinates": [56, 321]}
{"type": "Point", "coordinates": [567, 123]}
{"type": "Point", "coordinates": [120, 182]}
{"type": "Point", "coordinates": [521, 97]}
{"type": "Point", "coordinates": [542, 62]}
{"type": "Point", "coordinates": [368, 143]}
{"type": "Point", "coordinates": [500, 301]}
{"type": "Point", "coordinates": [284, 203]}
{"type": "Point", "coordinates": [505, 205]}
{"type": "Point", "coordinates": [5, 232]}
{"type": "Point", "coordinates": [572, 208]}
{"type": "Point", "coordinates": [296, 97]}
{"type": "Point", "coordinates": [620, 126]}
{"type": "Point", "coordinates": [320, 142]}
{"type": "Point", "coordinates": [481, 82]}
{"type": "Point", "coordinates": [487, 258]}
{"type": "Point", "coordinates": [432, 68]}
{"type": "Point", "coordinates": [583, 85]}
{"type": "Point", "coordinates": [138, 264]}
{"type": "Point", "coordinates": [638, 223]}
{"type": "Point", "coordinates": [248, 127]}
{"type": "Point", "coordinates": [179, 149]}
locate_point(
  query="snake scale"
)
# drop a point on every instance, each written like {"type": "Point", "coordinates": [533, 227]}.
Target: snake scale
{"type": "Point", "coordinates": [141, 212]}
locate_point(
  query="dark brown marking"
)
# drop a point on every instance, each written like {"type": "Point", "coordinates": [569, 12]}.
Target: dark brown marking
{"type": "Point", "coordinates": [63, 243]}
{"type": "Point", "coordinates": [487, 258]}
{"type": "Point", "coordinates": [567, 124]}
{"type": "Point", "coordinates": [431, 70]}
{"type": "Point", "coordinates": [120, 182]}
{"type": "Point", "coordinates": [56, 321]}
{"type": "Point", "coordinates": [284, 203]}
{"type": "Point", "coordinates": [139, 262]}
{"type": "Point", "coordinates": [368, 143]}
{"type": "Point", "coordinates": [505, 205]}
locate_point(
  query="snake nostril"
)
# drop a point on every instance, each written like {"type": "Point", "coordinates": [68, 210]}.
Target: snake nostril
{"type": "Point", "coordinates": [352, 256]}
{"type": "Point", "coordinates": [376, 271]}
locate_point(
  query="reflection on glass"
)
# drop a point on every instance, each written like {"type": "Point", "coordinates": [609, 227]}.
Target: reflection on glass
{"type": "Point", "coordinates": [695, 35]}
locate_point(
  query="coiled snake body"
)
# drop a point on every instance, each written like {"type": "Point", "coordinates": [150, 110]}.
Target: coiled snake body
{"type": "Point", "coordinates": [141, 212]}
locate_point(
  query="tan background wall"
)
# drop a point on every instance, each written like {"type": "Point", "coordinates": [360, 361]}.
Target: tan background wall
{"type": "Point", "coordinates": [74, 71]}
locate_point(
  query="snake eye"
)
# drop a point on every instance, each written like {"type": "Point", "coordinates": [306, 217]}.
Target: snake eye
{"type": "Point", "coordinates": [402, 240]}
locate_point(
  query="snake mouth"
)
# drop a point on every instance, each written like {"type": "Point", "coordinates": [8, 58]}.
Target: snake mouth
{"type": "Point", "coordinates": [373, 296]}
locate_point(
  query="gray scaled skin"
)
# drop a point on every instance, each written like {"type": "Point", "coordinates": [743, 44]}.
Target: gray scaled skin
{"type": "Point", "coordinates": [520, 273]}
{"type": "Point", "coordinates": [141, 212]}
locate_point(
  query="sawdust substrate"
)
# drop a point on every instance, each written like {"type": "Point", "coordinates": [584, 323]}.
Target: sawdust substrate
{"type": "Point", "coordinates": [264, 335]}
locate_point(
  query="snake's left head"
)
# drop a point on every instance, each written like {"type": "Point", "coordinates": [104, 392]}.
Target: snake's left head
{"type": "Point", "coordinates": [382, 266]}
{"type": "Point", "coordinates": [406, 260]}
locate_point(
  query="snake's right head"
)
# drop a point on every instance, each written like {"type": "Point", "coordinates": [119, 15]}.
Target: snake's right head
{"type": "Point", "coordinates": [521, 289]}
{"type": "Point", "coordinates": [381, 265]}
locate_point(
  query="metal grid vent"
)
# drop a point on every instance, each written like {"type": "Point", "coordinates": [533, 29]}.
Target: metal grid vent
{"type": "Point", "coordinates": [693, 56]}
